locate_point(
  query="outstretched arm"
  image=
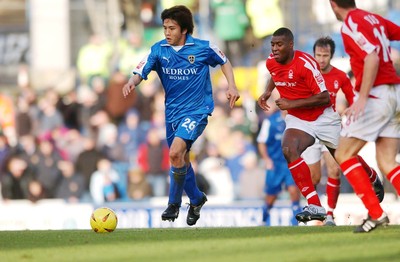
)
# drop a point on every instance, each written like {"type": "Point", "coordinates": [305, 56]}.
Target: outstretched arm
{"type": "Point", "coordinates": [131, 85]}
{"type": "Point", "coordinates": [232, 93]}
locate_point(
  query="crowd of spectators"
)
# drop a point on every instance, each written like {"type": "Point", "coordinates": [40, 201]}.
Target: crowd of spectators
{"type": "Point", "coordinates": [90, 144]}
{"type": "Point", "coordinates": [69, 146]}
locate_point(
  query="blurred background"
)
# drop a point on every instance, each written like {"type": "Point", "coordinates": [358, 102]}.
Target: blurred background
{"type": "Point", "coordinates": [69, 141]}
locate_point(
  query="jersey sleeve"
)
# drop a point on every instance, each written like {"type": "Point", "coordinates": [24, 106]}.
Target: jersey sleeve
{"type": "Point", "coordinates": [393, 30]}
{"type": "Point", "coordinates": [264, 131]}
{"type": "Point", "coordinates": [312, 75]}
{"type": "Point", "coordinates": [355, 30]}
{"type": "Point", "coordinates": [145, 65]}
{"type": "Point", "coordinates": [216, 56]}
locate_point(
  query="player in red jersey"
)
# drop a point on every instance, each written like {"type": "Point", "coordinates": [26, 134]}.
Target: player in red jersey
{"type": "Point", "coordinates": [335, 80]}
{"type": "Point", "coordinates": [303, 94]}
{"type": "Point", "coordinates": [372, 116]}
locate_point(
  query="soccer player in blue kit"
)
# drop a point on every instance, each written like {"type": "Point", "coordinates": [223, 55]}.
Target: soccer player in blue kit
{"type": "Point", "coordinates": [182, 64]}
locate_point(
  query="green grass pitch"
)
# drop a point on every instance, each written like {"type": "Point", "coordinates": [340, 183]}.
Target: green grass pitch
{"type": "Point", "coordinates": [305, 243]}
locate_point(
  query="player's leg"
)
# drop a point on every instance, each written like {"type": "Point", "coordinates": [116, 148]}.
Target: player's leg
{"type": "Point", "coordinates": [312, 156]}
{"type": "Point", "coordinates": [294, 143]}
{"type": "Point", "coordinates": [273, 185]}
{"type": "Point", "coordinates": [386, 151]}
{"type": "Point", "coordinates": [190, 129]}
{"type": "Point", "coordinates": [269, 203]}
{"type": "Point", "coordinates": [374, 179]}
{"type": "Point", "coordinates": [332, 186]}
{"type": "Point", "coordinates": [388, 142]}
{"type": "Point", "coordinates": [316, 172]}
{"type": "Point", "coordinates": [191, 188]}
{"type": "Point", "coordinates": [378, 120]}
{"type": "Point", "coordinates": [177, 176]}
{"type": "Point", "coordinates": [388, 145]}
{"type": "Point", "coordinates": [294, 195]}
{"type": "Point", "coordinates": [358, 178]}
{"type": "Point", "coordinates": [326, 128]}
{"type": "Point", "coordinates": [197, 198]}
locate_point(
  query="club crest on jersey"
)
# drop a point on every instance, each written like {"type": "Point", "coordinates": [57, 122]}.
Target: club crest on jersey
{"type": "Point", "coordinates": [290, 75]}
{"type": "Point", "coordinates": [191, 59]}
{"type": "Point", "coordinates": [336, 84]}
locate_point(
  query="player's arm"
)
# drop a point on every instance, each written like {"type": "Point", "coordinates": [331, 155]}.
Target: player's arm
{"type": "Point", "coordinates": [262, 148]}
{"type": "Point", "coordinates": [261, 145]}
{"type": "Point", "coordinates": [262, 100]}
{"type": "Point", "coordinates": [232, 93]}
{"type": "Point", "coordinates": [319, 99]}
{"type": "Point", "coordinates": [133, 81]}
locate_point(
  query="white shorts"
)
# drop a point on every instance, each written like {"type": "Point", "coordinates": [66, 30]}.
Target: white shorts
{"type": "Point", "coordinates": [326, 127]}
{"type": "Point", "coordinates": [380, 118]}
{"type": "Point", "coordinates": [314, 153]}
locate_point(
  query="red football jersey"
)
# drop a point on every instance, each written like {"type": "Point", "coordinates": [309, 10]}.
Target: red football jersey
{"type": "Point", "coordinates": [299, 79]}
{"type": "Point", "coordinates": [336, 80]}
{"type": "Point", "coordinates": [364, 32]}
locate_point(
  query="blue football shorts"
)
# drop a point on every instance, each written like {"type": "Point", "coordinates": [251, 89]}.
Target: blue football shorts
{"type": "Point", "coordinates": [278, 178]}
{"type": "Point", "coordinates": [189, 128]}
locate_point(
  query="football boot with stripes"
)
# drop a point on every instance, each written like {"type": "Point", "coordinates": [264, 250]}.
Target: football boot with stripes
{"type": "Point", "coordinates": [370, 224]}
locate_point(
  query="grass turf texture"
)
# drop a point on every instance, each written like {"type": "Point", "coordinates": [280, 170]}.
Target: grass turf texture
{"type": "Point", "coordinates": [315, 243]}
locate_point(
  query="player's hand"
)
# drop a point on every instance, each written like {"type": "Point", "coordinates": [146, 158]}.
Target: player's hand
{"type": "Point", "coordinates": [282, 103]}
{"type": "Point", "coordinates": [356, 109]}
{"type": "Point", "coordinates": [128, 87]}
{"type": "Point", "coordinates": [269, 164]}
{"type": "Point", "coordinates": [262, 101]}
{"type": "Point", "coordinates": [233, 95]}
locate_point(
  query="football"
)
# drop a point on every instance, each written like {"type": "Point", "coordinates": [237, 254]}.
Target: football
{"type": "Point", "coordinates": [103, 220]}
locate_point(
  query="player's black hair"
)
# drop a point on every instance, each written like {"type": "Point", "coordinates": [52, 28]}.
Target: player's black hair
{"type": "Point", "coordinates": [182, 15]}
{"type": "Point", "coordinates": [283, 31]}
{"type": "Point", "coordinates": [325, 41]}
{"type": "Point", "coordinates": [345, 3]}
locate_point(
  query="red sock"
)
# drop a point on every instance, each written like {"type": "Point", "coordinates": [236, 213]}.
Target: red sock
{"type": "Point", "coordinates": [370, 171]}
{"type": "Point", "coordinates": [359, 180]}
{"type": "Point", "coordinates": [332, 193]}
{"type": "Point", "coordinates": [302, 177]}
{"type": "Point", "coordinates": [394, 178]}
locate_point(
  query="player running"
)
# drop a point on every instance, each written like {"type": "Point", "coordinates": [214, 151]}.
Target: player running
{"type": "Point", "coordinates": [303, 93]}
{"type": "Point", "coordinates": [335, 80]}
{"type": "Point", "coordinates": [182, 63]}
{"type": "Point", "coordinates": [374, 114]}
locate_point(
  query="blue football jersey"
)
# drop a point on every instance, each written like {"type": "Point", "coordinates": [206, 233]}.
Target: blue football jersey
{"type": "Point", "coordinates": [184, 74]}
{"type": "Point", "coordinates": [271, 134]}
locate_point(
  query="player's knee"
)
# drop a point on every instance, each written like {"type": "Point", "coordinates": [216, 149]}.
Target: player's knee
{"type": "Point", "coordinates": [285, 151]}
{"type": "Point", "coordinates": [334, 172]}
{"type": "Point", "coordinates": [176, 158]}
{"type": "Point", "coordinates": [289, 154]}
